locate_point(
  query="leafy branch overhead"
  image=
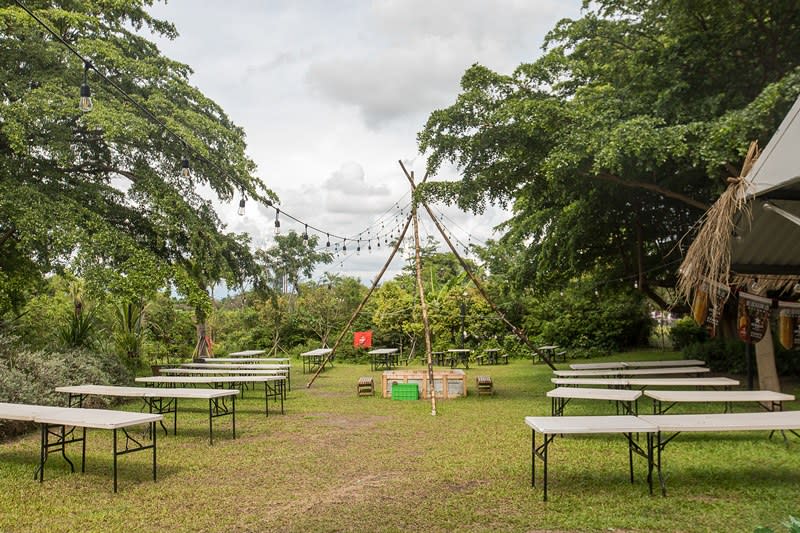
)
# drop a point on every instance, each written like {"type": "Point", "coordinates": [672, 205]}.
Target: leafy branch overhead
{"type": "Point", "coordinates": [610, 146]}
{"type": "Point", "coordinates": [103, 191]}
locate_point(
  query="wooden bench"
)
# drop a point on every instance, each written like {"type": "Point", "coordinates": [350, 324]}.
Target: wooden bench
{"type": "Point", "coordinates": [54, 422]}
{"type": "Point", "coordinates": [484, 385]}
{"type": "Point", "coordinates": [366, 386]}
{"type": "Point", "coordinates": [155, 398]}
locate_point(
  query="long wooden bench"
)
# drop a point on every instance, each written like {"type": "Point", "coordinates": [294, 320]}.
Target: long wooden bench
{"type": "Point", "coordinates": [155, 398]}
{"type": "Point", "coordinates": [659, 429]}
{"type": "Point", "coordinates": [273, 384]}
{"type": "Point", "coordinates": [55, 435]}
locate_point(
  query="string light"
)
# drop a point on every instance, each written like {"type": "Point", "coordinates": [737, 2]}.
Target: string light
{"type": "Point", "coordinates": [277, 222]}
{"type": "Point", "coordinates": [358, 248]}
{"type": "Point", "coordinates": [305, 236]}
{"type": "Point", "coordinates": [241, 207]}
{"type": "Point", "coordinates": [85, 103]}
{"type": "Point", "coordinates": [344, 245]}
{"type": "Point", "coordinates": [328, 242]}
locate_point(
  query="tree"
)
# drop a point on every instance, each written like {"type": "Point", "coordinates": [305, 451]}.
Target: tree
{"type": "Point", "coordinates": [291, 257]}
{"type": "Point", "coordinates": [104, 193]}
{"type": "Point", "coordinates": [611, 145]}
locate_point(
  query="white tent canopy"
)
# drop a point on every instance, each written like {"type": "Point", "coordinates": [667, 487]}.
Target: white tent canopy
{"type": "Point", "coordinates": [768, 242]}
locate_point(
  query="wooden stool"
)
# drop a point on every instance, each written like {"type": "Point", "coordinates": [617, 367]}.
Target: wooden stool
{"type": "Point", "coordinates": [366, 386]}
{"type": "Point", "coordinates": [484, 385]}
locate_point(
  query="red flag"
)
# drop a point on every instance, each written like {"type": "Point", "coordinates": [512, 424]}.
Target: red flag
{"type": "Point", "coordinates": [362, 339]}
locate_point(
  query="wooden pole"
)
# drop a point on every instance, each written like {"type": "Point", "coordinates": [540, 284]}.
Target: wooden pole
{"type": "Point", "coordinates": [423, 305]}
{"type": "Point", "coordinates": [518, 332]}
{"type": "Point", "coordinates": [361, 305]}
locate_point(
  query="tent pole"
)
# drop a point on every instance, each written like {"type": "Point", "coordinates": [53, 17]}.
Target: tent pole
{"type": "Point", "coordinates": [364, 301]}
{"type": "Point", "coordinates": [423, 304]}
{"type": "Point", "coordinates": [518, 332]}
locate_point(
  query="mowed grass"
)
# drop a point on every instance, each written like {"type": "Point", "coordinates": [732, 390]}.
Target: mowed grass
{"type": "Point", "coordinates": [337, 462]}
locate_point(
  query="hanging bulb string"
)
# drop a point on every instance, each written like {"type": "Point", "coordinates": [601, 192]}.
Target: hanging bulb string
{"type": "Point", "coordinates": [89, 65]}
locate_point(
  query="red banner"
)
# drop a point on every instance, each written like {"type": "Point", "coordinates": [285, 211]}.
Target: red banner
{"type": "Point", "coordinates": [362, 339]}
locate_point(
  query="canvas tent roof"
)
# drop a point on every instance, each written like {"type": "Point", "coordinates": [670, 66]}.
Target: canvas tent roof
{"type": "Point", "coordinates": [767, 241]}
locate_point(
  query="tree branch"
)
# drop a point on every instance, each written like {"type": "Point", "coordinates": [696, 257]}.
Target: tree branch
{"type": "Point", "coordinates": [655, 188]}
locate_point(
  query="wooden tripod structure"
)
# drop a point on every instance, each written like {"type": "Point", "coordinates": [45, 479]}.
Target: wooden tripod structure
{"type": "Point", "coordinates": [464, 265]}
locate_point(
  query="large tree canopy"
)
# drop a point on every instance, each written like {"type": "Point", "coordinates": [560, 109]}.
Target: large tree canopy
{"type": "Point", "coordinates": [612, 144]}
{"type": "Point", "coordinates": [103, 192]}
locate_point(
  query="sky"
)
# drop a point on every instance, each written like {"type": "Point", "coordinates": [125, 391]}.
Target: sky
{"type": "Point", "coordinates": [331, 95]}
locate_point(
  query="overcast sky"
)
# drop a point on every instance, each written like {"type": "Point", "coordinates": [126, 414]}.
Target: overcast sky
{"type": "Point", "coordinates": [332, 93]}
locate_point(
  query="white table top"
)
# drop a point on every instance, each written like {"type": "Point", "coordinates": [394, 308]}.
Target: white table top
{"type": "Point", "coordinates": [718, 396]}
{"type": "Point", "coordinates": [459, 350]}
{"type": "Point", "coordinates": [246, 353]}
{"type": "Point", "coordinates": [765, 420]}
{"type": "Point", "coordinates": [147, 392]}
{"type": "Point", "coordinates": [209, 379]}
{"type": "Point", "coordinates": [317, 352]}
{"type": "Point", "coordinates": [383, 351]}
{"type": "Point", "coordinates": [632, 371]}
{"type": "Point", "coordinates": [222, 371]}
{"type": "Point", "coordinates": [589, 424]}
{"type": "Point", "coordinates": [636, 364]}
{"type": "Point", "coordinates": [245, 360]}
{"type": "Point", "coordinates": [648, 382]}
{"type": "Point", "coordinates": [623, 395]}
{"type": "Point", "coordinates": [233, 366]}
{"type": "Point", "coordinates": [76, 416]}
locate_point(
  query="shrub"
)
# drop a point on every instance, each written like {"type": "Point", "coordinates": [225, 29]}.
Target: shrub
{"type": "Point", "coordinates": [686, 332]}
{"type": "Point", "coordinates": [28, 376]}
{"type": "Point", "coordinates": [721, 355]}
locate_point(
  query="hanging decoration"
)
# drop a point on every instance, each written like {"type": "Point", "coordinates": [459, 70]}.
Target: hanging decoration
{"type": "Point", "coordinates": [709, 299]}
{"type": "Point", "coordinates": [789, 324]}
{"type": "Point", "coordinates": [753, 318]}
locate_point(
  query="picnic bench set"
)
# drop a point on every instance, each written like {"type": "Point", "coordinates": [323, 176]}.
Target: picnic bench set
{"type": "Point", "coordinates": [60, 426]}
{"type": "Point", "coordinates": [658, 428]}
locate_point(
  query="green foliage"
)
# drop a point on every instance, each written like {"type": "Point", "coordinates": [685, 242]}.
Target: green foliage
{"type": "Point", "coordinates": [614, 142]}
{"type": "Point", "coordinates": [100, 193]}
{"type": "Point", "coordinates": [588, 321]}
{"type": "Point", "coordinates": [686, 331]}
{"type": "Point", "coordinates": [30, 376]}
{"type": "Point", "coordinates": [721, 355]}
{"type": "Point", "coordinates": [792, 525]}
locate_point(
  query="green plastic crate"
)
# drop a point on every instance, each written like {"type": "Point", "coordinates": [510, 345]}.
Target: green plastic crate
{"type": "Point", "coordinates": [405, 391]}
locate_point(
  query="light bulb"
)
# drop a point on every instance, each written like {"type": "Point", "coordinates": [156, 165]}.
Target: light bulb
{"type": "Point", "coordinates": [85, 104]}
{"type": "Point", "coordinates": [241, 208]}
{"type": "Point", "coordinates": [185, 167]}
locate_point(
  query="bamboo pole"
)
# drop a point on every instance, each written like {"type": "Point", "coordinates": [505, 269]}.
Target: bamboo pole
{"type": "Point", "coordinates": [423, 304]}
{"type": "Point", "coordinates": [517, 331]}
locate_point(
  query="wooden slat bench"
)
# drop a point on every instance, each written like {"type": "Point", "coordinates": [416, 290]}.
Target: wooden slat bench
{"type": "Point", "coordinates": [54, 422]}
{"type": "Point", "coordinates": [484, 385]}
{"type": "Point", "coordinates": [366, 386]}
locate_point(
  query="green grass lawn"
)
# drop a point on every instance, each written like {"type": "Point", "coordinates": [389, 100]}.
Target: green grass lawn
{"type": "Point", "coordinates": [337, 462]}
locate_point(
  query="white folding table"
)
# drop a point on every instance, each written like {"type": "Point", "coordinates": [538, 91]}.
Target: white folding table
{"type": "Point", "coordinates": [770, 400]}
{"type": "Point", "coordinates": [636, 364]}
{"type": "Point", "coordinates": [155, 398]}
{"type": "Point", "coordinates": [626, 372]}
{"type": "Point", "coordinates": [54, 422]}
{"type": "Point", "coordinates": [624, 398]}
{"type": "Point", "coordinates": [273, 385]}
{"type": "Point", "coordinates": [551, 426]}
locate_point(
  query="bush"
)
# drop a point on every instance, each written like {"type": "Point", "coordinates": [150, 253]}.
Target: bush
{"type": "Point", "coordinates": [721, 355]}
{"type": "Point", "coordinates": [31, 376]}
{"type": "Point", "coordinates": [686, 332]}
